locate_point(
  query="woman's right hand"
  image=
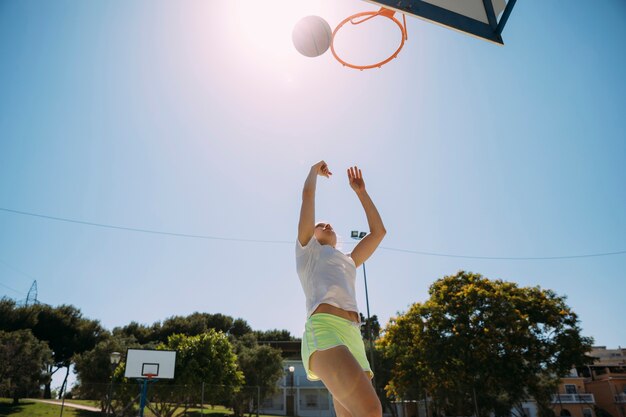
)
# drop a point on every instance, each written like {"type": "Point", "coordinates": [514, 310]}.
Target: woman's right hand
{"type": "Point", "coordinates": [321, 168]}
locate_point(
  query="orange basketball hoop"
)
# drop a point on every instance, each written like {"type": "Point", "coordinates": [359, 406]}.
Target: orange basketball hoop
{"type": "Point", "coordinates": [389, 14]}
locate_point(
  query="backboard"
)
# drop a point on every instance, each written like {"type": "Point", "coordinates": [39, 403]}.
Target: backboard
{"type": "Point", "coordinates": [484, 19]}
{"type": "Point", "coordinates": [150, 364]}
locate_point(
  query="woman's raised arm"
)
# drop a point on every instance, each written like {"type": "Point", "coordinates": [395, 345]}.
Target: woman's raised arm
{"type": "Point", "coordinates": [306, 226]}
{"type": "Point", "coordinates": [366, 247]}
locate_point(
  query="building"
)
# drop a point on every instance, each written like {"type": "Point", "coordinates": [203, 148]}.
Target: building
{"type": "Point", "coordinates": [606, 380]}
{"type": "Point", "coordinates": [572, 398]}
{"type": "Point", "coordinates": [297, 396]}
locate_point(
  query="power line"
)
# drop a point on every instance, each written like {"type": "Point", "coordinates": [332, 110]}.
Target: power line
{"type": "Point", "coordinates": [16, 270]}
{"type": "Point", "coordinates": [506, 258]}
{"type": "Point", "coordinates": [12, 289]}
{"type": "Point", "coordinates": [208, 237]}
{"type": "Point", "coordinates": [135, 229]}
{"type": "Point", "coordinates": [3, 262]}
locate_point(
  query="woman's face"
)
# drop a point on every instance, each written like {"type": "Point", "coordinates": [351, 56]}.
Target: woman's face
{"type": "Point", "coordinates": [325, 234]}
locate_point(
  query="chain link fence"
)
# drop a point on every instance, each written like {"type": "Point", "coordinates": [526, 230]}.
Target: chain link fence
{"type": "Point", "coordinates": [167, 400]}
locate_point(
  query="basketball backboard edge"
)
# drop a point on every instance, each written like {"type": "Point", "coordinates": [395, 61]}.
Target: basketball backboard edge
{"type": "Point", "coordinates": [455, 14]}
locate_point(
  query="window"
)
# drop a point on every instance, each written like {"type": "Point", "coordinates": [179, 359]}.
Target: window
{"type": "Point", "coordinates": [314, 399]}
{"type": "Point", "coordinates": [311, 400]}
{"type": "Point", "coordinates": [565, 413]}
{"type": "Point", "coordinates": [570, 389]}
{"type": "Point", "coordinates": [275, 402]}
{"type": "Point", "coordinates": [587, 412]}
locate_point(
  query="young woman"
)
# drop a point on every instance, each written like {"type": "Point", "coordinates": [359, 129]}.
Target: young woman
{"type": "Point", "coordinates": [332, 346]}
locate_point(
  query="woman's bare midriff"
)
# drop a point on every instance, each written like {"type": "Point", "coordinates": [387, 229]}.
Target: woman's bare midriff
{"type": "Point", "coordinates": [336, 311]}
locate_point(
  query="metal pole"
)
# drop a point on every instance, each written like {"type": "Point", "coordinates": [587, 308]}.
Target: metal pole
{"type": "Point", "coordinates": [294, 395]}
{"type": "Point", "coordinates": [144, 391]}
{"type": "Point", "coordinates": [202, 400]}
{"type": "Point", "coordinates": [475, 403]}
{"type": "Point", "coordinates": [109, 408]}
{"type": "Point", "coordinates": [505, 16]}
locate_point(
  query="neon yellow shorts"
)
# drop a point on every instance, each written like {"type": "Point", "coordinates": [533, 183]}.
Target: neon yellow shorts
{"type": "Point", "coordinates": [324, 331]}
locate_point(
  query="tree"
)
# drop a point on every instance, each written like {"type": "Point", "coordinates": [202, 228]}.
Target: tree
{"type": "Point", "coordinates": [274, 335]}
{"type": "Point", "coordinates": [240, 327]}
{"type": "Point", "coordinates": [23, 362]}
{"type": "Point", "coordinates": [482, 344]}
{"type": "Point", "coordinates": [64, 328]}
{"type": "Point", "coordinates": [14, 318]}
{"type": "Point", "coordinates": [207, 358]}
{"type": "Point", "coordinates": [68, 333]}
{"type": "Point", "coordinates": [142, 334]}
{"type": "Point", "coordinates": [191, 325]}
{"type": "Point", "coordinates": [370, 325]}
{"type": "Point", "coordinates": [94, 366]}
{"type": "Point", "coordinates": [96, 374]}
{"type": "Point", "coordinates": [262, 367]}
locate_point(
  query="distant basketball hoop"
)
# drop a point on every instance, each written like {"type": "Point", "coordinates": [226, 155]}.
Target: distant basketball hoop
{"type": "Point", "coordinates": [149, 366]}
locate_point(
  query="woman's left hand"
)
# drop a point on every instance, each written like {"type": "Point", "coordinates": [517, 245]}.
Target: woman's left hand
{"type": "Point", "coordinates": [355, 178]}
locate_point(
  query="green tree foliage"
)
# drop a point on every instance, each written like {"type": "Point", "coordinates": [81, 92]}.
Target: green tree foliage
{"type": "Point", "coordinates": [274, 335]}
{"type": "Point", "coordinates": [14, 318]}
{"type": "Point", "coordinates": [95, 373]}
{"type": "Point", "coordinates": [240, 327]}
{"type": "Point", "coordinates": [473, 334]}
{"type": "Point", "coordinates": [191, 325]}
{"type": "Point", "coordinates": [370, 325]}
{"type": "Point", "coordinates": [64, 328]}
{"type": "Point", "coordinates": [94, 366]}
{"type": "Point", "coordinates": [23, 363]}
{"type": "Point", "coordinates": [262, 367]}
{"type": "Point", "coordinates": [67, 334]}
{"type": "Point", "coordinates": [207, 358]}
{"type": "Point", "coordinates": [142, 334]}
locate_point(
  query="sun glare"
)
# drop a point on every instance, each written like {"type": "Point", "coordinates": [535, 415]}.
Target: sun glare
{"type": "Point", "coordinates": [263, 29]}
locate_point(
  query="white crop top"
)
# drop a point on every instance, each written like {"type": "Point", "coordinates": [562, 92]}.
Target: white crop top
{"type": "Point", "coordinates": [327, 276]}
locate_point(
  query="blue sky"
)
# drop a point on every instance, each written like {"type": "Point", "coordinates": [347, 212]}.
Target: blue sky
{"type": "Point", "coordinates": [200, 118]}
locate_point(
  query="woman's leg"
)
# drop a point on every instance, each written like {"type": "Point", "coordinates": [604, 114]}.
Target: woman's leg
{"type": "Point", "coordinates": [340, 410]}
{"type": "Point", "coordinates": [346, 381]}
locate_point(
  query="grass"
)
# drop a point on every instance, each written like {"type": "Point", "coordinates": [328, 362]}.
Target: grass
{"type": "Point", "coordinates": [30, 408]}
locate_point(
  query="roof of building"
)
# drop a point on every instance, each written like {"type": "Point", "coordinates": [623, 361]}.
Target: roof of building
{"type": "Point", "coordinates": [289, 349]}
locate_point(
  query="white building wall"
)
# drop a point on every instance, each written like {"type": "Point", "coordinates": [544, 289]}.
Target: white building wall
{"type": "Point", "coordinates": [312, 399]}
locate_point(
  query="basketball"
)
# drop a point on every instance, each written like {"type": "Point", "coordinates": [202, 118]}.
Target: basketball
{"type": "Point", "coordinates": [311, 36]}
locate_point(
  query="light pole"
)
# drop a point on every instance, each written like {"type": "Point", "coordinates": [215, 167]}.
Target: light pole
{"type": "Point", "coordinates": [355, 234]}
{"type": "Point", "coordinates": [291, 370]}
{"type": "Point", "coordinates": [115, 360]}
